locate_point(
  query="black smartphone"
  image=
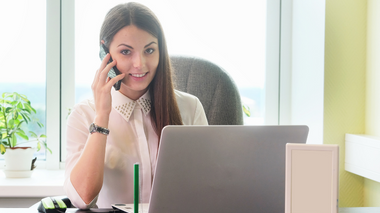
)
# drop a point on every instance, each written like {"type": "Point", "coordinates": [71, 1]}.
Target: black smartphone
{"type": "Point", "coordinates": [113, 71]}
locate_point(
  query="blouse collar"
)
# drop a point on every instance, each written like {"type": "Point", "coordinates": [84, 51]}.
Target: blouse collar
{"type": "Point", "coordinates": [125, 106]}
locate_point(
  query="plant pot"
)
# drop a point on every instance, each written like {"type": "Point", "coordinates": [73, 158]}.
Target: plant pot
{"type": "Point", "coordinates": [18, 162]}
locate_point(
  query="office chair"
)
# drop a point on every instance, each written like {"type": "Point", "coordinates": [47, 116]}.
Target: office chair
{"type": "Point", "coordinates": [212, 85]}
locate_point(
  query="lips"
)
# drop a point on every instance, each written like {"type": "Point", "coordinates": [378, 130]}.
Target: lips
{"type": "Point", "coordinates": [138, 75]}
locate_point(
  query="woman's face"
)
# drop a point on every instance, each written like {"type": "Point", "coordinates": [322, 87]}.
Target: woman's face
{"type": "Point", "coordinates": [137, 55]}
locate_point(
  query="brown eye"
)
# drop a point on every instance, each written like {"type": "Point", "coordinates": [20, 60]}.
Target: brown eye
{"type": "Point", "coordinates": [125, 52]}
{"type": "Point", "coordinates": [149, 51]}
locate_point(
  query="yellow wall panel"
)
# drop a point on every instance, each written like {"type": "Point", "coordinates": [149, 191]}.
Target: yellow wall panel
{"type": "Point", "coordinates": [344, 102]}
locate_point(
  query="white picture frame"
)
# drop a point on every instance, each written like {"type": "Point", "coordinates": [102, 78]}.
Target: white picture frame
{"type": "Point", "coordinates": [311, 178]}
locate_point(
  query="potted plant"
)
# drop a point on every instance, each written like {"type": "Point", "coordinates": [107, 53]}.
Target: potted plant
{"type": "Point", "coordinates": [16, 113]}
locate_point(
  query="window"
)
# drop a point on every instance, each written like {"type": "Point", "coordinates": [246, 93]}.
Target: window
{"type": "Point", "coordinates": [23, 57]}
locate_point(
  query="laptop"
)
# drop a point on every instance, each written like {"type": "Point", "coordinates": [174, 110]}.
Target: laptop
{"type": "Point", "coordinates": [222, 168]}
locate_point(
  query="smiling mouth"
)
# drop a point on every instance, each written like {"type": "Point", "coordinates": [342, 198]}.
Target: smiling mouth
{"type": "Point", "coordinates": [138, 75]}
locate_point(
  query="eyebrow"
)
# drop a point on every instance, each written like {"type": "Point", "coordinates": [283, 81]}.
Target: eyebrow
{"type": "Point", "coordinates": [153, 42]}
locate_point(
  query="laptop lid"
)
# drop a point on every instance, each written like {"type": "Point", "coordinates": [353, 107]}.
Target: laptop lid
{"type": "Point", "coordinates": [222, 168]}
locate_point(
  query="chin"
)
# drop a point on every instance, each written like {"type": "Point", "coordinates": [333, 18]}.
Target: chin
{"type": "Point", "coordinates": [127, 89]}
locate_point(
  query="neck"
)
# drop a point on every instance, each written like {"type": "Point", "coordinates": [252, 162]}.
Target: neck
{"type": "Point", "coordinates": [133, 95]}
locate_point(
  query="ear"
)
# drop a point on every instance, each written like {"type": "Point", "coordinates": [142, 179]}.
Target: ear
{"type": "Point", "coordinates": [102, 41]}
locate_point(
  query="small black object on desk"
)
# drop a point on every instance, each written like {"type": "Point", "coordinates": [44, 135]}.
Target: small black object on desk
{"type": "Point", "coordinates": [54, 205]}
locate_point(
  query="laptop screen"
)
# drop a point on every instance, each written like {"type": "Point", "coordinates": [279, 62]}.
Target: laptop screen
{"type": "Point", "coordinates": [222, 168]}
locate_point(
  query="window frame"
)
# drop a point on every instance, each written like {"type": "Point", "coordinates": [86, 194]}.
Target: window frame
{"type": "Point", "coordinates": [68, 69]}
{"type": "Point", "coordinates": [53, 86]}
{"type": "Point", "coordinates": [53, 83]}
{"type": "Point", "coordinates": [272, 76]}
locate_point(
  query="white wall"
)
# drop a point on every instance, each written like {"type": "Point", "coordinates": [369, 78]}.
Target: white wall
{"type": "Point", "coordinates": [372, 188]}
{"type": "Point", "coordinates": [373, 69]}
{"type": "Point", "coordinates": [302, 95]}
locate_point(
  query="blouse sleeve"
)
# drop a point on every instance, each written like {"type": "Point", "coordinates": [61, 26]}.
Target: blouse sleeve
{"type": "Point", "coordinates": [76, 137]}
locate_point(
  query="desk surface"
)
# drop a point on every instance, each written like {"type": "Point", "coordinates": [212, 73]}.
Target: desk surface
{"type": "Point", "coordinates": [43, 183]}
{"type": "Point", "coordinates": [22, 210]}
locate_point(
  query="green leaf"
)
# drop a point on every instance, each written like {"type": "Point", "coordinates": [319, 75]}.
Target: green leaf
{"type": "Point", "coordinates": [24, 98]}
{"type": "Point", "coordinates": [34, 135]}
{"type": "Point", "coordinates": [47, 148]}
{"type": "Point", "coordinates": [15, 95]}
{"type": "Point", "coordinates": [25, 110]}
{"type": "Point", "coordinates": [40, 124]}
{"type": "Point", "coordinates": [22, 134]}
{"type": "Point", "coordinates": [11, 123]}
{"type": "Point", "coordinates": [28, 106]}
{"type": "Point", "coordinates": [2, 149]}
{"type": "Point", "coordinates": [12, 130]}
{"type": "Point", "coordinates": [5, 135]}
{"type": "Point", "coordinates": [19, 105]}
{"type": "Point", "coordinates": [8, 109]}
{"type": "Point", "coordinates": [246, 111]}
{"type": "Point", "coordinates": [25, 117]}
{"type": "Point", "coordinates": [19, 123]}
{"type": "Point", "coordinates": [15, 115]}
{"type": "Point", "coordinates": [43, 136]}
{"type": "Point", "coordinates": [13, 141]}
{"type": "Point", "coordinates": [6, 143]}
{"type": "Point", "coordinates": [38, 146]}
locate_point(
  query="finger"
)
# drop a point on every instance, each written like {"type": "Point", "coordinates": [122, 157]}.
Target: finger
{"type": "Point", "coordinates": [105, 61]}
{"type": "Point", "coordinates": [114, 80]}
{"type": "Point", "coordinates": [97, 75]}
{"type": "Point", "coordinates": [104, 74]}
{"type": "Point", "coordinates": [95, 81]}
{"type": "Point", "coordinates": [103, 64]}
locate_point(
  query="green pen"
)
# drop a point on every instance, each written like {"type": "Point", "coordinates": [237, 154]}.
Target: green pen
{"type": "Point", "coordinates": [136, 188]}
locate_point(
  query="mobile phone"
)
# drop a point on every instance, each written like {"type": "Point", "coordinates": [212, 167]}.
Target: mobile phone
{"type": "Point", "coordinates": [113, 71]}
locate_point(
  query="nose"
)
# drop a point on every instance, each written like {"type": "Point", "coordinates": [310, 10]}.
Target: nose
{"type": "Point", "coordinates": [138, 61]}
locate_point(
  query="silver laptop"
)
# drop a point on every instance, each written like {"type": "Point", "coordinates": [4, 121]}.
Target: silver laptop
{"type": "Point", "coordinates": [222, 168]}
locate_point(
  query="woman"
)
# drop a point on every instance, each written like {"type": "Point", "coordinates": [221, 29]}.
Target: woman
{"type": "Point", "coordinates": [99, 164]}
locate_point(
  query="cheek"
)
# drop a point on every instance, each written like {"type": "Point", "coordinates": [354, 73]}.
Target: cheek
{"type": "Point", "coordinates": [123, 65]}
{"type": "Point", "coordinates": [154, 63]}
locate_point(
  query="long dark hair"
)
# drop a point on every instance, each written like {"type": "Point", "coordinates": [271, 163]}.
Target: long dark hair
{"type": "Point", "coordinates": [164, 110]}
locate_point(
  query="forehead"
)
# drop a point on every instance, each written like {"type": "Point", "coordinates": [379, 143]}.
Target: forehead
{"type": "Point", "coordinates": [133, 35]}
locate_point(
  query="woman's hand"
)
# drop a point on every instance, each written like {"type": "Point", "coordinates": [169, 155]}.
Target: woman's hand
{"type": "Point", "coordinates": [101, 87]}
{"type": "Point", "coordinates": [87, 174]}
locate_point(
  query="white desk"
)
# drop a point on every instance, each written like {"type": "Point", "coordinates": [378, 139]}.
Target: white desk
{"type": "Point", "coordinates": [42, 183]}
{"type": "Point", "coordinates": [360, 210]}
